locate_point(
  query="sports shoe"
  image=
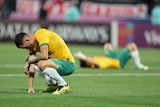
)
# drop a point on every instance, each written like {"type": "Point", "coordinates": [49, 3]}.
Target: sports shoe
{"type": "Point", "coordinates": [49, 88]}
{"type": "Point", "coordinates": [142, 67]}
{"type": "Point", "coordinates": [61, 90]}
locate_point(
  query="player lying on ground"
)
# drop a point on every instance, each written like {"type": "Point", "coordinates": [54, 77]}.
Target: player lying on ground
{"type": "Point", "coordinates": [112, 59]}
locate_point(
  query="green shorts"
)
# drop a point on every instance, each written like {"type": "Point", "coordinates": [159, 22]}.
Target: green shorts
{"type": "Point", "coordinates": [123, 56]}
{"type": "Point", "coordinates": [65, 67]}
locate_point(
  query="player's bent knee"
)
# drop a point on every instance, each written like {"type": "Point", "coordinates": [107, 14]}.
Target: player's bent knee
{"type": "Point", "coordinates": [132, 46]}
{"type": "Point", "coordinates": [42, 66]}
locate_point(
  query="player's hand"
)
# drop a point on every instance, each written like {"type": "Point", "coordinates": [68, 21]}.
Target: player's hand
{"type": "Point", "coordinates": [26, 68]}
{"type": "Point", "coordinates": [27, 58]}
{"type": "Point", "coordinates": [31, 90]}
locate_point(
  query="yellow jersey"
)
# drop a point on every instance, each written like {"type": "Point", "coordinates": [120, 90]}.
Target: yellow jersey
{"type": "Point", "coordinates": [106, 62]}
{"type": "Point", "coordinates": [57, 48]}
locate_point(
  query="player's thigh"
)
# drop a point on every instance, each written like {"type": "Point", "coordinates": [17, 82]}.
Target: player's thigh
{"type": "Point", "coordinates": [123, 56]}
{"type": "Point", "coordinates": [43, 64]}
{"type": "Point", "coordinates": [110, 53]}
{"type": "Point", "coordinates": [64, 67]}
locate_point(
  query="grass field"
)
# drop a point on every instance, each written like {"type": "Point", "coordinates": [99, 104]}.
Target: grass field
{"type": "Point", "coordinates": [89, 87]}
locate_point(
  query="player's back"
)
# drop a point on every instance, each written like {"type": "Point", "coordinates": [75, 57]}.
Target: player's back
{"type": "Point", "coordinates": [57, 48]}
{"type": "Point", "coordinates": [105, 62]}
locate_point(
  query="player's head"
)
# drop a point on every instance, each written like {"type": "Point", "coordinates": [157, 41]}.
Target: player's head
{"type": "Point", "coordinates": [24, 40]}
{"type": "Point", "coordinates": [83, 63]}
{"type": "Point", "coordinates": [19, 39]}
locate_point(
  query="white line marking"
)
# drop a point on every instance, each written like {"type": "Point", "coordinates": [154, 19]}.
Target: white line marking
{"type": "Point", "coordinates": [12, 75]}
{"type": "Point", "coordinates": [11, 65]}
{"type": "Point", "coordinates": [92, 75]}
{"type": "Point", "coordinates": [119, 74]}
{"type": "Point", "coordinates": [22, 65]}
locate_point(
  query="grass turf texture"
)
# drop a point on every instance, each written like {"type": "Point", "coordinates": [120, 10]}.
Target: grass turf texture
{"type": "Point", "coordinates": [89, 87]}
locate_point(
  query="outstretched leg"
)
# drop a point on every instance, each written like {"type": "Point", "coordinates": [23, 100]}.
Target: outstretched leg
{"type": "Point", "coordinates": [136, 57]}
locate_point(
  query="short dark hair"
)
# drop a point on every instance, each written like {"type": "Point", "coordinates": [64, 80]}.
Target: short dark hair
{"type": "Point", "coordinates": [83, 64]}
{"type": "Point", "coordinates": [19, 39]}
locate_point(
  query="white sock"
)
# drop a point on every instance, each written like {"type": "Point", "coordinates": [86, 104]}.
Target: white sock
{"type": "Point", "coordinates": [38, 71]}
{"type": "Point", "coordinates": [136, 58]}
{"type": "Point", "coordinates": [52, 73]}
{"type": "Point", "coordinates": [49, 80]}
{"type": "Point", "coordinates": [45, 76]}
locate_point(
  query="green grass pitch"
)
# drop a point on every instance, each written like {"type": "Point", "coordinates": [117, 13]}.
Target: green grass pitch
{"type": "Point", "coordinates": [89, 87]}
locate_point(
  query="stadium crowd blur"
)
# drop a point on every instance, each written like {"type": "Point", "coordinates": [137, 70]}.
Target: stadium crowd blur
{"type": "Point", "coordinates": [9, 6]}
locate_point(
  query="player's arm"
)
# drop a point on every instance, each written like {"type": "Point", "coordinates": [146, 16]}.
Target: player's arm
{"type": "Point", "coordinates": [31, 79]}
{"type": "Point", "coordinates": [27, 65]}
{"type": "Point", "coordinates": [91, 62]}
{"type": "Point", "coordinates": [43, 55]}
{"type": "Point", "coordinates": [29, 70]}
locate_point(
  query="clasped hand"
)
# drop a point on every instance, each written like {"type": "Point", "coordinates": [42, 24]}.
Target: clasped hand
{"type": "Point", "coordinates": [26, 67]}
